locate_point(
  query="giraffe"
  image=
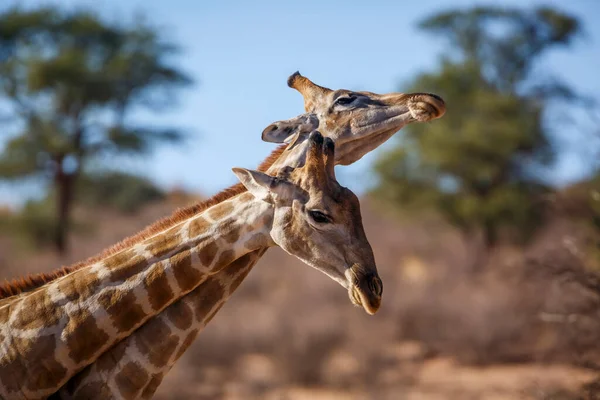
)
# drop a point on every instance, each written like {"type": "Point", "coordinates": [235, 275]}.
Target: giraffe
{"type": "Point", "coordinates": [361, 121]}
{"type": "Point", "coordinates": [387, 114]}
{"type": "Point", "coordinates": [305, 211]}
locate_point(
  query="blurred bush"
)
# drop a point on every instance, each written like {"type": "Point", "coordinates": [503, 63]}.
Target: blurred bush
{"type": "Point", "coordinates": [581, 202]}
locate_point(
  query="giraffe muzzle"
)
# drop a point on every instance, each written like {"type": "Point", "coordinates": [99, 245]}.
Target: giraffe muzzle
{"type": "Point", "coordinates": [364, 290]}
{"type": "Point", "coordinates": [426, 106]}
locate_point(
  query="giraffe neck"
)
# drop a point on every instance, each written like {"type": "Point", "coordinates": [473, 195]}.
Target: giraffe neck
{"type": "Point", "coordinates": [132, 369]}
{"type": "Point", "coordinates": [135, 367]}
{"type": "Point", "coordinates": [48, 335]}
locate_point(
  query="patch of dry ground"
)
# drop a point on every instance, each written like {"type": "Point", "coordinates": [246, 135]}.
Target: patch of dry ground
{"type": "Point", "coordinates": [404, 377]}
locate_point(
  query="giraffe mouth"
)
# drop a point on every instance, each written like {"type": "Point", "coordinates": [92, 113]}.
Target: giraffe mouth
{"type": "Point", "coordinates": [364, 290]}
{"type": "Point", "coordinates": [425, 107]}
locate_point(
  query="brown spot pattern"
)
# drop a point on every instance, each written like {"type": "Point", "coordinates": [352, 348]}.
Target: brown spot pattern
{"type": "Point", "coordinates": [197, 226]}
{"type": "Point", "coordinates": [151, 387]}
{"type": "Point", "coordinates": [186, 275]}
{"type": "Point", "coordinates": [94, 390]}
{"type": "Point", "coordinates": [125, 265]}
{"type": "Point", "coordinates": [83, 337]}
{"type": "Point", "coordinates": [220, 210]}
{"type": "Point", "coordinates": [156, 341]}
{"type": "Point", "coordinates": [37, 311]}
{"type": "Point", "coordinates": [206, 296]}
{"type": "Point", "coordinates": [187, 342]}
{"type": "Point", "coordinates": [226, 257]}
{"type": "Point", "coordinates": [43, 371]}
{"type": "Point", "coordinates": [180, 315]}
{"type": "Point", "coordinates": [164, 243]}
{"type": "Point", "coordinates": [256, 241]}
{"type": "Point", "coordinates": [74, 384]}
{"type": "Point", "coordinates": [109, 360]}
{"type": "Point", "coordinates": [158, 288]}
{"type": "Point", "coordinates": [232, 269]}
{"type": "Point", "coordinates": [213, 313]}
{"type": "Point", "coordinates": [13, 370]}
{"type": "Point", "coordinates": [80, 284]}
{"type": "Point", "coordinates": [207, 253]}
{"type": "Point", "coordinates": [239, 279]}
{"type": "Point", "coordinates": [130, 380]}
{"type": "Point", "coordinates": [122, 308]}
{"type": "Point", "coordinates": [232, 236]}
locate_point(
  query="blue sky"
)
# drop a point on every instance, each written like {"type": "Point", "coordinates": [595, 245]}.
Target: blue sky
{"type": "Point", "coordinates": [241, 53]}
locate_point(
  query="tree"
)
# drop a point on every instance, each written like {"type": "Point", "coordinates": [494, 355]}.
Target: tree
{"type": "Point", "coordinates": [33, 225]}
{"type": "Point", "coordinates": [69, 81]}
{"type": "Point", "coordinates": [477, 164]}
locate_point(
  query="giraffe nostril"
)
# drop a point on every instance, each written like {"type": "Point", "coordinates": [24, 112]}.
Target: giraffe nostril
{"type": "Point", "coordinates": [376, 286]}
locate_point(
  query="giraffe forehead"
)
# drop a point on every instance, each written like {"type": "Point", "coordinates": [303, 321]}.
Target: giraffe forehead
{"type": "Point", "coordinates": [333, 198]}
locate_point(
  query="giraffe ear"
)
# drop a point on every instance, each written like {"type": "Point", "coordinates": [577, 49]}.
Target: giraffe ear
{"type": "Point", "coordinates": [258, 183]}
{"type": "Point", "coordinates": [285, 131]}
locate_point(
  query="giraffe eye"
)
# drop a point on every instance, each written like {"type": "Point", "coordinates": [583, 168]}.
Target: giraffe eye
{"type": "Point", "coordinates": [319, 217]}
{"type": "Point", "coordinates": [344, 101]}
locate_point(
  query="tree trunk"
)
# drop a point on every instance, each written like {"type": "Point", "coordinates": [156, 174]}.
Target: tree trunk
{"type": "Point", "coordinates": [64, 192]}
{"type": "Point", "coordinates": [65, 187]}
{"type": "Point", "coordinates": [480, 245]}
{"type": "Point", "coordinates": [489, 236]}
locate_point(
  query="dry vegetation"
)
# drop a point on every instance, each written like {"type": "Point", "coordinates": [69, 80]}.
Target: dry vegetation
{"type": "Point", "coordinates": [526, 327]}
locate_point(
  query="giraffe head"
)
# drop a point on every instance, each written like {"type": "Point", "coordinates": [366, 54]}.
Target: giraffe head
{"type": "Point", "coordinates": [319, 221]}
{"type": "Point", "coordinates": [358, 121]}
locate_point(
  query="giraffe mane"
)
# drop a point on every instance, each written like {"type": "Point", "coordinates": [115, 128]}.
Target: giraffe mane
{"type": "Point", "coordinates": [33, 281]}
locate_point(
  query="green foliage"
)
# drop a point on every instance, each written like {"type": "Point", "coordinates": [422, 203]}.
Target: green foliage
{"type": "Point", "coordinates": [122, 192]}
{"type": "Point", "coordinates": [70, 80]}
{"type": "Point", "coordinates": [506, 41]}
{"type": "Point", "coordinates": [475, 165]}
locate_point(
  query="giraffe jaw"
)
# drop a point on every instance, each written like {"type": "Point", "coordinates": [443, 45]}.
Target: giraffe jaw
{"type": "Point", "coordinates": [370, 136]}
